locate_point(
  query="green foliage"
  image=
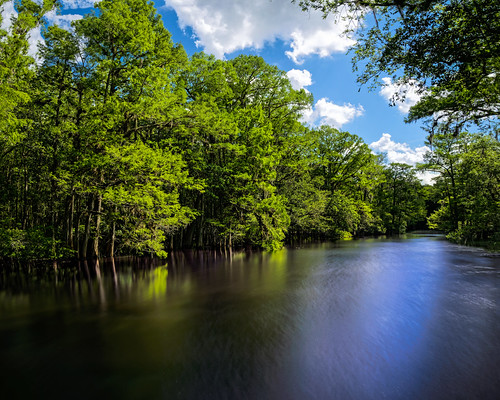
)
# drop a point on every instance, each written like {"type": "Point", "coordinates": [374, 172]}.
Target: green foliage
{"type": "Point", "coordinates": [142, 184]}
{"type": "Point", "coordinates": [31, 244]}
{"type": "Point", "coordinates": [100, 94]}
{"type": "Point", "coordinates": [350, 173]}
{"type": "Point", "coordinates": [120, 144]}
{"type": "Point", "coordinates": [469, 184]}
{"type": "Point", "coordinates": [400, 198]}
{"type": "Point", "coordinates": [15, 69]}
{"type": "Point", "coordinates": [448, 49]}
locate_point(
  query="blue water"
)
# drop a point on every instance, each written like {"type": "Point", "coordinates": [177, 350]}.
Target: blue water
{"type": "Point", "coordinates": [413, 318]}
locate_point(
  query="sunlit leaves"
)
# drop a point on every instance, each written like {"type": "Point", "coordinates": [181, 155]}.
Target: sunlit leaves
{"type": "Point", "coordinates": [400, 198]}
{"type": "Point", "coordinates": [449, 48]}
{"type": "Point", "coordinates": [468, 185]}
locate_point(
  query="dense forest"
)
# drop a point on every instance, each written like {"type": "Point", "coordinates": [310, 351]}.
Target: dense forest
{"type": "Point", "coordinates": [116, 142]}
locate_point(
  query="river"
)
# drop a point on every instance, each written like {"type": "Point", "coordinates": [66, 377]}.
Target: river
{"type": "Point", "coordinates": [409, 318]}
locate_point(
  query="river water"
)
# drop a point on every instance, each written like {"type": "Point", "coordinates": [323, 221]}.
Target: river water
{"type": "Point", "coordinates": [412, 318]}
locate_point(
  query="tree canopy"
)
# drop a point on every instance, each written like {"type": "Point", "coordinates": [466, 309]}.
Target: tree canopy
{"type": "Point", "coordinates": [448, 49]}
{"type": "Point", "coordinates": [117, 142]}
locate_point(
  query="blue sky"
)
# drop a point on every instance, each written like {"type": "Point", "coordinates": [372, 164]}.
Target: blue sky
{"type": "Point", "coordinates": [310, 49]}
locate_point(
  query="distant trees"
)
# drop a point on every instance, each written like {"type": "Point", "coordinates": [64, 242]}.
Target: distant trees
{"type": "Point", "coordinates": [400, 198]}
{"type": "Point", "coordinates": [350, 173]}
{"type": "Point", "coordinates": [467, 188]}
{"type": "Point", "coordinates": [449, 50]}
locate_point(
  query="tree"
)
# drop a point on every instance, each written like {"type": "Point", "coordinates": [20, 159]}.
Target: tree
{"type": "Point", "coordinates": [445, 159]}
{"type": "Point", "coordinates": [133, 96]}
{"type": "Point", "coordinates": [480, 182]}
{"type": "Point", "coordinates": [468, 186]}
{"type": "Point", "coordinates": [15, 63]}
{"type": "Point", "coordinates": [349, 173]}
{"type": "Point", "coordinates": [400, 198]}
{"type": "Point", "coordinates": [16, 72]}
{"type": "Point", "coordinates": [101, 101]}
{"type": "Point", "coordinates": [450, 50]}
{"type": "Point", "coordinates": [298, 181]}
{"type": "Point", "coordinates": [232, 137]}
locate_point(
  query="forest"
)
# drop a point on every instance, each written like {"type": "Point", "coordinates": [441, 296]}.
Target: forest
{"type": "Point", "coordinates": [115, 142]}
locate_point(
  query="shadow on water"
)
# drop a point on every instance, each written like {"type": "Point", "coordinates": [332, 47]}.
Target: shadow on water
{"type": "Point", "coordinates": [402, 318]}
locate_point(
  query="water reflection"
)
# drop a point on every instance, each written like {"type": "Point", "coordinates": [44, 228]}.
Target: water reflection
{"type": "Point", "coordinates": [368, 319]}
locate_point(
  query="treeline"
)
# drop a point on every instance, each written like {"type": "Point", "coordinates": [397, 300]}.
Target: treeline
{"type": "Point", "coordinates": [117, 143]}
{"type": "Point", "coordinates": [467, 190]}
{"type": "Point", "coordinates": [448, 51]}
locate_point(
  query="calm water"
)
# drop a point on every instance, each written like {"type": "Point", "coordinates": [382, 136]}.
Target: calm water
{"type": "Point", "coordinates": [374, 319]}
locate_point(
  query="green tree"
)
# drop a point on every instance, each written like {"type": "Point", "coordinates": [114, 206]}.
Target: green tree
{"type": "Point", "coordinates": [445, 159]}
{"type": "Point", "coordinates": [134, 95]}
{"type": "Point", "coordinates": [400, 198]}
{"type": "Point", "coordinates": [15, 63]}
{"type": "Point", "coordinates": [298, 181]}
{"type": "Point", "coordinates": [238, 115]}
{"type": "Point", "coordinates": [268, 111]}
{"type": "Point", "coordinates": [468, 185]}
{"type": "Point", "coordinates": [102, 100]}
{"type": "Point", "coordinates": [448, 49]}
{"type": "Point", "coordinates": [16, 71]}
{"type": "Point", "coordinates": [349, 172]}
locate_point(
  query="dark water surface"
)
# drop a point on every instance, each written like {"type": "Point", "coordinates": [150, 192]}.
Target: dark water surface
{"type": "Point", "coordinates": [414, 318]}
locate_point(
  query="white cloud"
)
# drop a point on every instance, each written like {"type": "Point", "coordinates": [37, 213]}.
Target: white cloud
{"type": "Point", "coordinates": [323, 42]}
{"type": "Point", "coordinates": [398, 152]}
{"type": "Point", "coordinates": [404, 96]}
{"type": "Point", "coordinates": [299, 78]}
{"type": "Point", "coordinates": [402, 153]}
{"type": "Point", "coordinates": [427, 177]}
{"type": "Point", "coordinates": [326, 112]}
{"type": "Point", "coordinates": [224, 26]}
{"type": "Point", "coordinates": [385, 143]}
{"type": "Point", "coordinates": [8, 12]}
{"type": "Point", "coordinates": [64, 21]}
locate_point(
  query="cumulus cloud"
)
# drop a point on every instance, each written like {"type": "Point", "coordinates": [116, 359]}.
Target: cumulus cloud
{"type": "Point", "coordinates": [224, 26]}
{"type": "Point", "coordinates": [322, 42]}
{"type": "Point", "coordinates": [402, 153]}
{"type": "Point", "coordinates": [427, 177]}
{"type": "Point", "coordinates": [8, 12]}
{"type": "Point", "coordinates": [299, 78]}
{"type": "Point", "coordinates": [404, 96]}
{"type": "Point", "coordinates": [398, 152]}
{"type": "Point", "coordinates": [326, 112]}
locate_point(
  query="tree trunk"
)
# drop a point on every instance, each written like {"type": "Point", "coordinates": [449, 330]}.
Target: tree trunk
{"type": "Point", "coordinates": [77, 235]}
{"type": "Point", "coordinates": [98, 219]}
{"type": "Point", "coordinates": [84, 250]}
{"type": "Point", "coordinates": [199, 243]}
{"type": "Point", "coordinates": [113, 236]}
{"type": "Point", "coordinates": [97, 225]}
{"type": "Point", "coordinates": [70, 220]}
